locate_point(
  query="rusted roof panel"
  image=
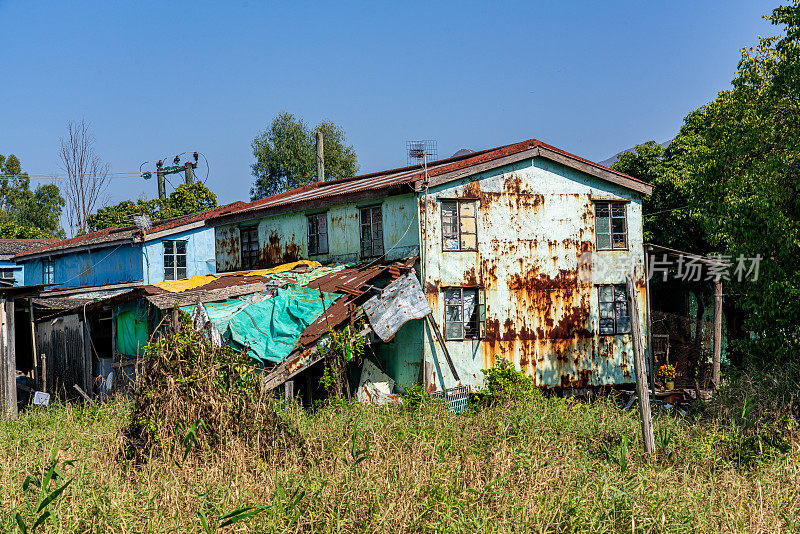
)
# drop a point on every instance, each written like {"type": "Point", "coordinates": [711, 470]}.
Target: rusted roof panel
{"type": "Point", "coordinates": [395, 178]}
{"type": "Point", "coordinates": [108, 235]}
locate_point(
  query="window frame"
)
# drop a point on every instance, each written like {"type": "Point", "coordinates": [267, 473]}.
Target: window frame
{"type": "Point", "coordinates": [479, 328]}
{"type": "Point", "coordinates": [610, 204]}
{"type": "Point", "coordinates": [615, 304]}
{"type": "Point", "coordinates": [371, 225]}
{"type": "Point", "coordinates": [315, 236]}
{"type": "Point", "coordinates": [7, 270]}
{"type": "Point", "coordinates": [48, 271]}
{"type": "Point", "coordinates": [248, 259]}
{"type": "Point", "coordinates": [175, 255]}
{"type": "Point", "coordinates": [458, 226]}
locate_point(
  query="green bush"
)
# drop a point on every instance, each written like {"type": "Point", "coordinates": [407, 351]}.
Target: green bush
{"type": "Point", "coordinates": [504, 383]}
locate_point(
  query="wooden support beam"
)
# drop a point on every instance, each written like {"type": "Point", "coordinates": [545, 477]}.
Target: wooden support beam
{"type": "Point", "coordinates": [440, 339]}
{"type": "Point", "coordinates": [639, 365]}
{"type": "Point", "coordinates": [717, 357]}
{"type": "Point", "coordinates": [8, 361]}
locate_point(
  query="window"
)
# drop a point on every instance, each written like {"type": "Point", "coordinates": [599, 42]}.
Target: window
{"type": "Point", "coordinates": [7, 273]}
{"type": "Point", "coordinates": [174, 260]}
{"type": "Point", "coordinates": [249, 243]}
{"type": "Point", "coordinates": [371, 232]}
{"type": "Point", "coordinates": [464, 313]}
{"type": "Point", "coordinates": [614, 315]}
{"type": "Point", "coordinates": [318, 234]}
{"type": "Point", "coordinates": [459, 225]}
{"type": "Point", "coordinates": [611, 225]}
{"type": "Point", "coordinates": [48, 271]}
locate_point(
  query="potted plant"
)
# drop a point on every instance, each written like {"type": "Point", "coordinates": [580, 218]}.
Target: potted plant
{"type": "Point", "coordinates": [667, 375]}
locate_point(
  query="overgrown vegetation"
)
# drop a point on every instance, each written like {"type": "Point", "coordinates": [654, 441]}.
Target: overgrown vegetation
{"type": "Point", "coordinates": [190, 397]}
{"type": "Point", "coordinates": [531, 463]}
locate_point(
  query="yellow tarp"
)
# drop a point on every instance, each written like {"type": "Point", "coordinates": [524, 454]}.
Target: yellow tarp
{"type": "Point", "coordinates": [283, 268]}
{"type": "Point", "coordinates": [178, 286]}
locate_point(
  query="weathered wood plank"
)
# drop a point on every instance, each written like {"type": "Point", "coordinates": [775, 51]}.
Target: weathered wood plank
{"type": "Point", "coordinates": [165, 301]}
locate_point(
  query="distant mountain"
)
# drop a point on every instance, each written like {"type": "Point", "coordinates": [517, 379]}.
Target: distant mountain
{"type": "Point", "coordinates": [610, 161]}
{"type": "Point", "coordinates": [462, 152]}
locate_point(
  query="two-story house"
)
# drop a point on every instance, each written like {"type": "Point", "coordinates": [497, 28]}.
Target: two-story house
{"type": "Point", "coordinates": [506, 239]}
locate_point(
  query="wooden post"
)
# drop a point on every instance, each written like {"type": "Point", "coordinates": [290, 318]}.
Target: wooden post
{"type": "Point", "coordinates": [650, 357]}
{"type": "Point", "coordinates": [440, 339]}
{"type": "Point", "coordinates": [162, 189]}
{"type": "Point", "coordinates": [320, 158]}
{"type": "Point", "coordinates": [188, 171]}
{"type": "Point", "coordinates": [717, 332]}
{"type": "Point", "coordinates": [8, 363]}
{"type": "Point", "coordinates": [288, 391]}
{"type": "Point", "coordinates": [43, 372]}
{"type": "Point", "coordinates": [639, 365]}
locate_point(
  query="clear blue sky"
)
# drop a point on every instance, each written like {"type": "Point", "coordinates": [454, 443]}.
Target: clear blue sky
{"type": "Point", "coordinates": [158, 78]}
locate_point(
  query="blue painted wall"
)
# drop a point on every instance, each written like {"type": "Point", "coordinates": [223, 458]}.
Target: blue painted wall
{"type": "Point", "coordinates": [200, 259]}
{"type": "Point", "coordinates": [19, 278]}
{"type": "Point", "coordinates": [108, 265]}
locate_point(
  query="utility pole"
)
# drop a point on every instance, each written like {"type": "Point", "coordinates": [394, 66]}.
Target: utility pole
{"type": "Point", "coordinates": [162, 188]}
{"type": "Point", "coordinates": [639, 367]}
{"type": "Point", "coordinates": [189, 171]}
{"type": "Point", "coordinates": [320, 158]}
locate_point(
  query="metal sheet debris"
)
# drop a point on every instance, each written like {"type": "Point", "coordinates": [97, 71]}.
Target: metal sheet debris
{"type": "Point", "coordinates": [398, 303]}
{"type": "Point", "coordinates": [375, 387]}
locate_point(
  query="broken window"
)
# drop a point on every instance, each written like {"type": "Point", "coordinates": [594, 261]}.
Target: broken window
{"type": "Point", "coordinates": [318, 234]}
{"type": "Point", "coordinates": [459, 225]}
{"type": "Point", "coordinates": [464, 313]}
{"type": "Point", "coordinates": [48, 271]}
{"type": "Point", "coordinates": [371, 232]}
{"type": "Point", "coordinates": [249, 243]}
{"type": "Point", "coordinates": [175, 260]}
{"type": "Point", "coordinates": [611, 225]}
{"type": "Point", "coordinates": [614, 315]}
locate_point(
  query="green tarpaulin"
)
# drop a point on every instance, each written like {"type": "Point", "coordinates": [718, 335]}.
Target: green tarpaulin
{"type": "Point", "coordinates": [268, 327]}
{"type": "Point", "coordinates": [132, 336]}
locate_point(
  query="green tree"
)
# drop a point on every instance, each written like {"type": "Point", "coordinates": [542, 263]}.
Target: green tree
{"type": "Point", "coordinates": [286, 155]}
{"type": "Point", "coordinates": [185, 200]}
{"type": "Point", "coordinates": [742, 164]}
{"type": "Point", "coordinates": [668, 219]}
{"type": "Point", "coordinates": [26, 213]}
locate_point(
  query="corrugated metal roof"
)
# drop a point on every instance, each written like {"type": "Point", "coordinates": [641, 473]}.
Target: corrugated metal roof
{"type": "Point", "coordinates": [108, 235]}
{"type": "Point", "coordinates": [397, 178]}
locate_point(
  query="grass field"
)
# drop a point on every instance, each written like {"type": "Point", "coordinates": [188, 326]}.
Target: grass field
{"type": "Point", "coordinates": [531, 465]}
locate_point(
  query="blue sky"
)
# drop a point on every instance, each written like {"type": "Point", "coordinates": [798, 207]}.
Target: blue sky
{"type": "Point", "coordinates": [158, 78]}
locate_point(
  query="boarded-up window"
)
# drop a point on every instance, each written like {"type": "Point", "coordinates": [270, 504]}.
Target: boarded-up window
{"type": "Point", "coordinates": [249, 247]}
{"type": "Point", "coordinates": [464, 313]}
{"type": "Point", "coordinates": [174, 260]}
{"type": "Point", "coordinates": [613, 309]}
{"type": "Point", "coordinates": [459, 225]}
{"type": "Point", "coordinates": [371, 232]}
{"type": "Point", "coordinates": [318, 234]}
{"type": "Point", "coordinates": [48, 271]}
{"type": "Point", "coordinates": [611, 225]}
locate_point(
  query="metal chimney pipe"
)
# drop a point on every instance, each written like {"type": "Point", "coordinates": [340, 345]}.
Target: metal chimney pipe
{"type": "Point", "coordinates": [320, 158]}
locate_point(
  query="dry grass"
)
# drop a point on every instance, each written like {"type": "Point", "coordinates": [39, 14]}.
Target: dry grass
{"type": "Point", "coordinates": [539, 465]}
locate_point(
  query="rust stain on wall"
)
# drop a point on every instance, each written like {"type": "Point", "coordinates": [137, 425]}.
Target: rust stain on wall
{"type": "Point", "coordinates": [275, 253]}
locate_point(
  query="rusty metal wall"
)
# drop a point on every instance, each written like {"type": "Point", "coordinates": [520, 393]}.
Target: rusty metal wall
{"type": "Point", "coordinates": [535, 220]}
{"type": "Point", "coordinates": [284, 238]}
{"type": "Point", "coordinates": [227, 248]}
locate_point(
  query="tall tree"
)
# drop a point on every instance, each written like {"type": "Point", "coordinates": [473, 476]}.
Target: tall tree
{"type": "Point", "coordinates": [185, 200]}
{"type": "Point", "coordinates": [25, 213]}
{"type": "Point", "coordinates": [286, 155]}
{"type": "Point", "coordinates": [87, 175]}
{"type": "Point", "coordinates": [743, 169]}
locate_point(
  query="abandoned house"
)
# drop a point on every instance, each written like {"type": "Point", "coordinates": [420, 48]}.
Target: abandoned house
{"type": "Point", "coordinates": [503, 243]}
{"type": "Point", "coordinates": [499, 236]}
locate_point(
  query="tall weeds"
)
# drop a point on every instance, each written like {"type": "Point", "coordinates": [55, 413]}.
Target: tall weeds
{"type": "Point", "coordinates": [190, 396]}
